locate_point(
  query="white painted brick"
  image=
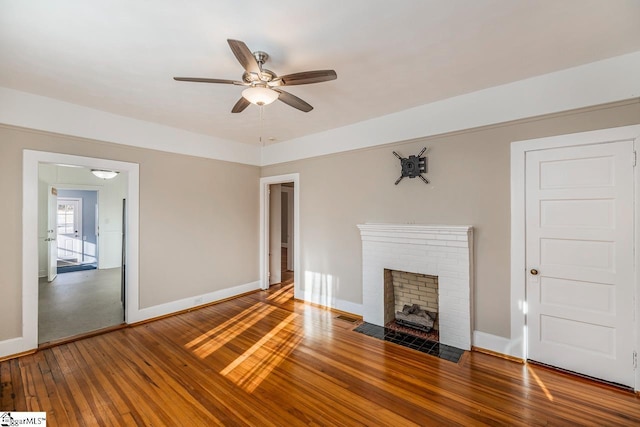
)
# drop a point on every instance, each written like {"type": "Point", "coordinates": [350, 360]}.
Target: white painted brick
{"type": "Point", "coordinates": [449, 261]}
{"type": "Point", "coordinates": [442, 251]}
{"type": "Point", "coordinates": [457, 243]}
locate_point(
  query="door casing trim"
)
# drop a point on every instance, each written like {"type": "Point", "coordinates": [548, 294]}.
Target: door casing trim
{"type": "Point", "coordinates": [518, 341]}
{"type": "Point", "coordinates": [30, 161]}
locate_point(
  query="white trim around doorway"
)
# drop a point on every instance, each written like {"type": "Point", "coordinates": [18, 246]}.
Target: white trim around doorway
{"type": "Point", "coordinates": [518, 343]}
{"type": "Point", "coordinates": [31, 159]}
{"type": "Point", "coordinates": [264, 229]}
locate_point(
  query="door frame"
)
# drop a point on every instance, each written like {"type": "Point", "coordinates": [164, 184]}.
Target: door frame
{"type": "Point", "coordinates": [31, 159]}
{"type": "Point", "coordinates": [264, 229]}
{"type": "Point", "coordinates": [519, 149]}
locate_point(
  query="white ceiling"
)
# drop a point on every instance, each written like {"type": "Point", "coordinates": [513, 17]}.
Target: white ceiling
{"type": "Point", "coordinates": [119, 56]}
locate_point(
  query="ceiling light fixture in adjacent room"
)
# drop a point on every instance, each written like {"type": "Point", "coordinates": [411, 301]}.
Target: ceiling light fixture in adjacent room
{"type": "Point", "coordinates": [104, 174]}
{"type": "Point", "coordinates": [260, 95]}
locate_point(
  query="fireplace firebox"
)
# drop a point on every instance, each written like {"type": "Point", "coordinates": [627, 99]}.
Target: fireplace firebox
{"type": "Point", "coordinates": [411, 302]}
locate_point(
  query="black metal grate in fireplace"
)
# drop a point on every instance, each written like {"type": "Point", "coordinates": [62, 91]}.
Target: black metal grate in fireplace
{"type": "Point", "coordinates": [432, 348]}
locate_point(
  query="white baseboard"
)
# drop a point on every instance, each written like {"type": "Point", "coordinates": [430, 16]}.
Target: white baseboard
{"type": "Point", "coordinates": [335, 303]}
{"type": "Point", "coordinates": [480, 339]}
{"type": "Point", "coordinates": [187, 303]}
{"type": "Point", "coordinates": [19, 345]}
{"type": "Point", "coordinates": [16, 345]}
{"type": "Point", "coordinates": [496, 344]}
{"type": "Point", "coordinates": [348, 307]}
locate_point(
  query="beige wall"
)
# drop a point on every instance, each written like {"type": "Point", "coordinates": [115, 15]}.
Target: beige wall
{"type": "Point", "coordinates": [199, 217]}
{"type": "Point", "coordinates": [469, 174]}
{"type": "Point", "coordinates": [198, 220]}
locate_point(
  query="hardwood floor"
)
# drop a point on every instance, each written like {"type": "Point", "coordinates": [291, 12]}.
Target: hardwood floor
{"type": "Point", "coordinates": [266, 360]}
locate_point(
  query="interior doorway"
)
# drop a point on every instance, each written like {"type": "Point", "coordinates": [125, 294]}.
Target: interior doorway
{"type": "Point", "coordinates": [69, 231]}
{"type": "Point", "coordinates": [82, 215]}
{"type": "Point", "coordinates": [77, 230]}
{"type": "Point", "coordinates": [31, 247]}
{"type": "Point", "coordinates": [275, 237]}
{"type": "Point", "coordinates": [574, 287]}
{"type": "Point", "coordinates": [579, 244]}
{"type": "Point", "coordinates": [287, 232]}
{"type": "Point", "coordinates": [279, 232]}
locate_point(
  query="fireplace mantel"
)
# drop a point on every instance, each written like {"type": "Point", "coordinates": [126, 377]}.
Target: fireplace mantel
{"type": "Point", "coordinates": [445, 251]}
{"type": "Point", "coordinates": [415, 229]}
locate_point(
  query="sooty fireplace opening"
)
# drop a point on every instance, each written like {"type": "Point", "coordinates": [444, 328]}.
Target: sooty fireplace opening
{"type": "Point", "coordinates": [411, 303]}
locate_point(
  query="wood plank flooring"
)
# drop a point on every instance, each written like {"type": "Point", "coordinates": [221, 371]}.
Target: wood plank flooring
{"type": "Point", "coordinates": [266, 360]}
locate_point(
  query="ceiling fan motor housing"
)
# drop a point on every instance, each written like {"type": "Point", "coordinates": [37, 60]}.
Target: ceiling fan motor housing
{"type": "Point", "coordinates": [267, 76]}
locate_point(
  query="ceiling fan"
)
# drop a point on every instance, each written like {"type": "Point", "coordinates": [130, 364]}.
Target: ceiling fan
{"type": "Point", "coordinates": [262, 84]}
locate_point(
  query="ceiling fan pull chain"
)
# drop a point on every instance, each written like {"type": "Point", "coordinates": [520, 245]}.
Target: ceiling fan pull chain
{"type": "Point", "coordinates": [260, 139]}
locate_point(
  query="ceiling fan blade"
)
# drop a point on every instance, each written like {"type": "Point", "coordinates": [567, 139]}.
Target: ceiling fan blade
{"type": "Point", "coordinates": [293, 101]}
{"type": "Point", "coordinates": [203, 80]}
{"type": "Point", "coordinates": [244, 56]}
{"type": "Point", "coordinates": [240, 106]}
{"type": "Point", "coordinates": [307, 77]}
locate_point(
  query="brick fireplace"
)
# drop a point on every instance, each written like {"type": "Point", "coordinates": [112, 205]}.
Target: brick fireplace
{"type": "Point", "coordinates": [432, 250]}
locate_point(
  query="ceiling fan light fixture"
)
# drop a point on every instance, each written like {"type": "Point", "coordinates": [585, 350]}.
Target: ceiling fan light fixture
{"type": "Point", "coordinates": [104, 174]}
{"type": "Point", "coordinates": [261, 80]}
{"type": "Point", "coordinates": [260, 95]}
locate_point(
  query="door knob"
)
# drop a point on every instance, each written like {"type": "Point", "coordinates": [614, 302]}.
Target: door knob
{"type": "Point", "coordinates": [534, 272]}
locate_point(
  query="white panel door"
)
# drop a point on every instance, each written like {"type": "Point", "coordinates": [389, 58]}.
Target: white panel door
{"type": "Point", "coordinates": [580, 259]}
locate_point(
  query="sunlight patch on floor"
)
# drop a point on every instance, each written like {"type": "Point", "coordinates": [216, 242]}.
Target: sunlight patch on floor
{"type": "Point", "coordinates": [282, 295]}
{"type": "Point", "coordinates": [253, 366]}
{"type": "Point", "coordinates": [540, 383]}
{"type": "Point", "coordinates": [212, 340]}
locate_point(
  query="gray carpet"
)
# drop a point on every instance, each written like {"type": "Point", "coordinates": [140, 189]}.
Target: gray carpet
{"type": "Point", "coordinates": [79, 302]}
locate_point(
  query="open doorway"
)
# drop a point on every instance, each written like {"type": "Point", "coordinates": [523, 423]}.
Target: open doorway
{"type": "Point", "coordinates": [279, 231]}
{"type": "Point", "coordinates": [31, 244]}
{"type": "Point", "coordinates": [80, 225]}
{"type": "Point", "coordinates": [287, 231]}
{"type": "Point", "coordinates": [77, 230]}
